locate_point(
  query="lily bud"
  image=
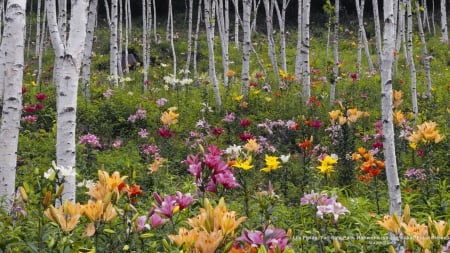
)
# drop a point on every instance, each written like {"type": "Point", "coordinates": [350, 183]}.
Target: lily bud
{"type": "Point", "coordinates": [59, 191]}
{"type": "Point", "coordinates": [23, 194]}
{"type": "Point", "coordinates": [47, 198]}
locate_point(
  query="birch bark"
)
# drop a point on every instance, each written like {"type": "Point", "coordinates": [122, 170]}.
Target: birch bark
{"type": "Point", "coordinates": [376, 18]}
{"type": "Point", "coordinates": [395, 200]}
{"type": "Point", "coordinates": [113, 51]}
{"type": "Point", "coordinates": [306, 80]}
{"type": "Point", "coordinates": [87, 56]}
{"type": "Point", "coordinates": [209, 22]}
{"type": "Point", "coordinates": [224, 37]}
{"type": "Point", "coordinates": [410, 57]}
{"type": "Point", "coordinates": [444, 29]}
{"type": "Point", "coordinates": [68, 57]}
{"type": "Point", "coordinates": [425, 56]}
{"type": "Point", "coordinates": [269, 8]}
{"type": "Point", "coordinates": [11, 77]}
{"type": "Point", "coordinates": [246, 45]}
{"type": "Point", "coordinates": [335, 52]}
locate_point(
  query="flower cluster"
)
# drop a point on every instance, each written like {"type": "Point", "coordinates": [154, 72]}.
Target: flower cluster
{"type": "Point", "coordinates": [327, 164]}
{"type": "Point", "coordinates": [90, 139]}
{"type": "Point", "coordinates": [140, 114]}
{"type": "Point", "coordinates": [324, 204]}
{"type": "Point", "coordinates": [211, 170]}
{"type": "Point", "coordinates": [99, 208]}
{"type": "Point", "coordinates": [170, 117]}
{"type": "Point", "coordinates": [370, 167]}
{"type": "Point", "coordinates": [209, 229]}
{"type": "Point", "coordinates": [424, 235]}
{"type": "Point", "coordinates": [171, 204]}
{"type": "Point", "coordinates": [426, 132]}
{"type": "Point", "coordinates": [272, 239]}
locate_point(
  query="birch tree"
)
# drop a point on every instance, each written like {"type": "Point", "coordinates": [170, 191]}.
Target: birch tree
{"type": "Point", "coordinates": [11, 77]}
{"type": "Point", "coordinates": [113, 47]}
{"type": "Point", "coordinates": [246, 45]}
{"type": "Point", "coordinates": [68, 57]}
{"type": "Point", "coordinates": [410, 57]}
{"type": "Point", "coordinates": [146, 41]}
{"type": "Point", "coordinates": [306, 80]}
{"type": "Point", "coordinates": [362, 38]}
{"type": "Point", "coordinates": [376, 18]}
{"type": "Point", "coordinates": [40, 47]}
{"type": "Point", "coordinates": [395, 200]}
{"type": "Point", "coordinates": [189, 42]}
{"type": "Point", "coordinates": [425, 56]}
{"type": "Point", "coordinates": [62, 19]}
{"type": "Point", "coordinates": [223, 25]}
{"type": "Point", "coordinates": [210, 23]}
{"type": "Point", "coordinates": [282, 24]}
{"type": "Point", "coordinates": [197, 31]}
{"type": "Point", "coordinates": [444, 29]}
{"type": "Point", "coordinates": [174, 55]}
{"type": "Point", "coordinates": [269, 8]}
{"type": "Point", "coordinates": [335, 52]}
{"type": "Point", "coordinates": [87, 56]}
{"type": "Point", "coordinates": [236, 23]}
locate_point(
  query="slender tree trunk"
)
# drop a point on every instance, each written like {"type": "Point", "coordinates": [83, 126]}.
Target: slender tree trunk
{"type": "Point", "coordinates": [256, 4]}
{"type": "Point", "coordinates": [209, 22]}
{"type": "Point", "coordinates": [305, 50]}
{"type": "Point", "coordinates": [68, 57]}
{"type": "Point", "coordinates": [11, 77]}
{"type": "Point", "coordinates": [400, 31]}
{"type": "Point", "coordinates": [246, 45]}
{"type": "Point", "coordinates": [269, 7]}
{"type": "Point", "coordinates": [426, 20]}
{"type": "Point", "coordinates": [224, 37]}
{"type": "Point", "coordinates": [40, 48]}
{"type": "Point", "coordinates": [362, 39]}
{"type": "Point", "coordinates": [146, 32]}
{"type": "Point", "coordinates": [376, 17]}
{"type": "Point", "coordinates": [86, 65]}
{"type": "Point", "coordinates": [298, 56]}
{"type": "Point", "coordinates": [412, 67]}
{"type": "Point", "coordinates": [282, 24]}
{"type": "Point", "coordinates": [395, 200]}
{"type": "Point", "coordinates": [189, 43]}
{"type": "Point", "coordinates": [197, 30]}
{"type": "Point", "coordinates": [38, 28]}
{"type": "Point", "coordinates": [120, 49]}
{"type": "Point", "coordinates": [425, 56]}
{"type": "Point", "coordinates": [335, 52]}
{"type": "Point", "coordinates": [444, 29]}
{"type": "Point", "coordinates": [113, 47]}
{"type": "Point", "coordinates": [174, 55]}
{"type": "Point", "coordinates": [236, 23]}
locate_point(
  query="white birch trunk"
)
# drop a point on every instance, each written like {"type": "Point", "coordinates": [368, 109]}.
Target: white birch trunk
{"type": "Point", "coordinates": [425, 56]}
{"type": "Point", "coordinates": [444, 29]}
{"type": "Point", "coordinates": [305, 50]}
{"type": "Point", "coordinates": [298, 56]}
{"type": "Point", "coordinates": [269, 7]}
{"type": "Point", "coordinates": [120, 68]}
{"type": "Point", "coordinates": [62, 19]}
{"type": "Point", "coordinates": [209, 22]}
{"type": "Point", "coordinates": [256, 4]}
{"type": "Point", "coordinates": [224, 37]}
{"type": "Point", "coordinates": [11, 77]}
{"type": "Point", "coordinates": [146, 31]}
{"type": "Point", "coordinates": [174, 55]}
{"type": "Point", "coordinates": [335, 53]}
{"type": "Point", "coordinates": [86, 65]}
{"type": "Point", "coordinates": [282, 25]}
{"type": "Point", "coordinates": [68, 57]}
{"type": "Point", "coordinates": [236, 24]}
{"type": "Point", "coordinates": [400, 30]}
{"type": "Point", "coordinates": [40, 47]}
{"type": "Point", "coordinates": [412, 67]}
{"type": "Point", "coordinates": [197, 31]}
{"type": "Point", "coordinates": [376, 17]}
{"type": "Point", "coordinates": [426, 20]}
{"type": "Point", "coordinates": [395, 200]}
{"type": "Point", "coordinates": [113, 51]}
{"type": "Point", "coordinates": [246, 45]}
{"type": "Point", "coordinates": [362, 39]}
{"type": "Point", "coordinates": [38, 28]}
{"type": "Point", "coordinates": [189, 42]}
